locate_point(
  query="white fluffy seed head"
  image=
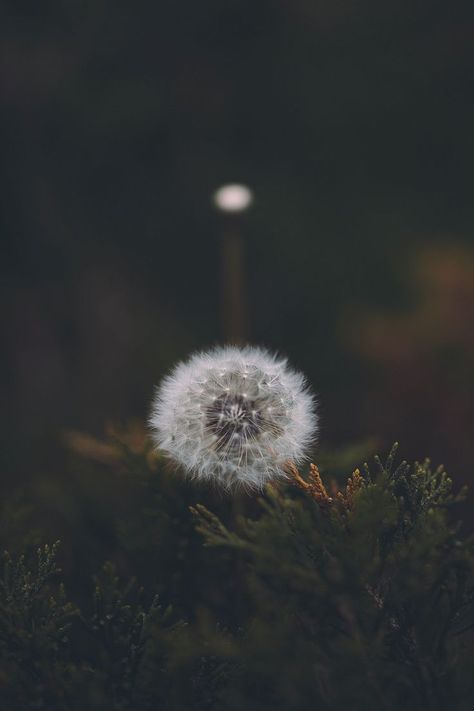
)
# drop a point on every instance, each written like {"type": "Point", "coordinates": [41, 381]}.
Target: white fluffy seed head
{"type": "Point", "coordinates": [234, 416]}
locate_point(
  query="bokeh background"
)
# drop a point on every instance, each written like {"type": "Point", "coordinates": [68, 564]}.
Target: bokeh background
{"type": "Point", "coordinates": [350, 121]}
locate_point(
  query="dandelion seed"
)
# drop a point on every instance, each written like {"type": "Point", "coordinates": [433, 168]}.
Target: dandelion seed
{"type": "Point", "coordinates": [252, 416]}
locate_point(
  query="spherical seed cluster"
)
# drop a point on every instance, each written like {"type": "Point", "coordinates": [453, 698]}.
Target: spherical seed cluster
{"type": "Point", "coordinates": [234, 415]}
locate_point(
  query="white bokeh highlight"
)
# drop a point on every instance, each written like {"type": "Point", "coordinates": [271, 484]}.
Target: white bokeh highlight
{"type": "Point", "coordinates": [233, 198]}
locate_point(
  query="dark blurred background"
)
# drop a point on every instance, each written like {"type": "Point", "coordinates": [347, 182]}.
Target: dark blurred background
{"type": "Point", "coordinates": [352, 123]}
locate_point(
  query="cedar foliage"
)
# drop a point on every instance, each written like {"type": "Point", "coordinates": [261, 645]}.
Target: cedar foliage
{"type": "Point", "coordinates": [311, 595]}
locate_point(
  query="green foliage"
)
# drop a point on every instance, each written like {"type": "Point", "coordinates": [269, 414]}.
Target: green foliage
{"type": "Point", "coordinates": [358, 598]}
{"type": "Point", "coordinates": [35, 625]}
{"type": "Point", "coordinates": [358, 605]}
{"type": "Point", "coordinates": [130, 642]}
{"type": "Point", "coordinates": [115, 658]}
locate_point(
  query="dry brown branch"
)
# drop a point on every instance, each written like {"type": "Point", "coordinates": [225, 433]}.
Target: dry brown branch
{"type": "Point", "coordinates": [315, 488]}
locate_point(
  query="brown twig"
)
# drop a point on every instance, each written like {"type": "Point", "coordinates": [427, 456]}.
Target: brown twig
{"type": "Point", "coordinates": [315, 488]}
{"type": "Point", "coordinates": [353, 485]}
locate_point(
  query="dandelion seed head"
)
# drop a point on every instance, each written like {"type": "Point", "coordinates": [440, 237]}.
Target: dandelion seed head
{"type": "Point", "coordinates": [234, 416]}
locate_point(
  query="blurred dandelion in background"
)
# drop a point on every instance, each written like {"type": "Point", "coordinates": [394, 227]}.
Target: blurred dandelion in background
{"type": "Point", "coordinates": [233, 198]}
